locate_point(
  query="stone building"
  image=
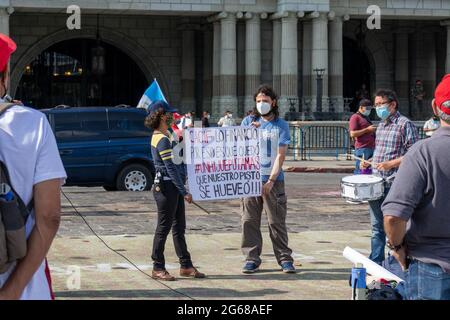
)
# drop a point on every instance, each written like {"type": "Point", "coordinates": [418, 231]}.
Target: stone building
{"type": "Point", "coordinates": [212, 54]}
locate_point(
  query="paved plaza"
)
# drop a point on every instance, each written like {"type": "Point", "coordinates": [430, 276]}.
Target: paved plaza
{"type": "Point", "coordinates": [320, 225]}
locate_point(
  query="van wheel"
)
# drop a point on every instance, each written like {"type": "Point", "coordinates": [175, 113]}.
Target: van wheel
{"type": "Point", "coordinates": [134, 177]}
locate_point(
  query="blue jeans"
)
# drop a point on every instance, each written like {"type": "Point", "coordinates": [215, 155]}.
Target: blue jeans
{"type": "Point", "coordinates": [426, 281]}
{"type": "Point", "coordinates": [366, 152]}
{"type": "Point", "coordinates": [378, 240]}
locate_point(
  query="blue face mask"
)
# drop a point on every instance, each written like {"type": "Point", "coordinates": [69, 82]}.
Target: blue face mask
{"type": "Point", "coordinates": [383, 112]}
{"type": "Point", "coordinates": [366, 112]}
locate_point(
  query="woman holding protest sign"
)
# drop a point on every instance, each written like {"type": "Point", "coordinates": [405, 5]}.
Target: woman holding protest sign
{"type": "Point", "coordinates": [170, 194]}
{"type": "Point", "coordinates": [273, 199]}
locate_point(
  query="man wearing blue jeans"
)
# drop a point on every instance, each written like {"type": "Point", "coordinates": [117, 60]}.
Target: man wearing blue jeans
{"type": "Point", "coordinates": [394, 136]}
{"type": "Point", "coordinates": [417, 212]}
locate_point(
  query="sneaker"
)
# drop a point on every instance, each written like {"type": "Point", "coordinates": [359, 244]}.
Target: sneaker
{"type": "Point", "coordinates": [250, 267]}
{"type": "Point", "coordinates": [288, 267]}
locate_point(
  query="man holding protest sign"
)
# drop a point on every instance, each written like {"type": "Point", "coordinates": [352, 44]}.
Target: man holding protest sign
{"type": "Point", "coordinates": [276, 138]}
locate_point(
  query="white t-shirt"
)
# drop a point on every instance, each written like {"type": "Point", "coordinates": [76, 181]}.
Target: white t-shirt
{"type": "Point", "coordinates": [226, 121]}
{"type": "Point", "coordinates": [28, 148]}
{"type": "Point", "coordinates": [185, 122]}
{"type": "Point", "coordinates": [433, 125]}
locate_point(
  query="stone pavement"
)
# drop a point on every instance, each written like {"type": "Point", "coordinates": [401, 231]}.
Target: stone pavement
{"type": "Point", "coordinates": [320, 225]}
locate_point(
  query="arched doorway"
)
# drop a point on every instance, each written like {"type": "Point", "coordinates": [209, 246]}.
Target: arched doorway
{"type": "Point", "coordinates": [357, 73]}
{"type": "Point", "coordinates": [77, 72]}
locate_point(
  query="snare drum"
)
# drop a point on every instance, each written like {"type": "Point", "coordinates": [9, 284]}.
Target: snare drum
{"type": "Point", "coordinates": [362, 187]}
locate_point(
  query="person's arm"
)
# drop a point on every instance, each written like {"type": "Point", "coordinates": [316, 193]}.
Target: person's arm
{"type": "Point", "coordinates": [47, 208]}
{"type": "Point", "coordinates": [276, 169]}
{"type": "Point", "coordinates": [390, 164]}
{"type": "Point", "coordinates": [354, 126]}
{"type": "Point", "coordinates": [404, 197]}
{"type": "Point", "coordinates": [283, 144]}
{"type": "Point", "coordinates": [395, 229]}
{"type": "Point", "coordinates": [164, 149]}
{"type": "Point", "coordinates": [358, 133]}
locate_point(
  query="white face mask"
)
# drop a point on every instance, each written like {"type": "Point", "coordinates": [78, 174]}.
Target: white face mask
{"type": "Point", "coordinates": [263, 108]}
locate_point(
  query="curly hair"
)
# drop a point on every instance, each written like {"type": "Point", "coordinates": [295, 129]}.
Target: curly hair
{"type": "Point", "coordinates": [153, 120]}
{"type": "Point", "coordinates": [268, 91]}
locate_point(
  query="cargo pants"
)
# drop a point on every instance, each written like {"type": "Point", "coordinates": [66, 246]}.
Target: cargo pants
{"type": "Point", "coordinates": [275, 206]}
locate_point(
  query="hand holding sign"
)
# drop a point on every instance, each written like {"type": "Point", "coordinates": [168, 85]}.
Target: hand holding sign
{"type": "Point", "coordinates": [188, 198]}
{"type": "Point", "coordinates": [267, 187]}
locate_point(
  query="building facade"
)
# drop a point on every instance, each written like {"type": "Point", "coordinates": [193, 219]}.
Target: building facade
{"type": "Point", "coordinates": [212, 54]}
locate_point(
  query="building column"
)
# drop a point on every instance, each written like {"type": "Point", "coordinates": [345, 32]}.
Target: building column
{"type": "Point", "coordinates": [402, 71]}
{"type": "Point", "coordinates": [424, 68]}
{"type": "Point", "coordinates": [276, 55]}
{"type": "Point", "coordinates": [207, 69]}
{"type": "Point", "coordinates": [228, 65]}
{"type": "Point", "coordinates": [215, 108]}
{"type": "Point", "coordinates": [289, 61]}
{"type": "Point", "coordinates": [4, 19]}
{"type": "Point", "coordinates": [447, 61]}
{"type": "Point", "coordinates": [319, 59]}
{"type": "Point", "coordinates": [188, 102]}
{"type": "Point", "coordinates": [429, 79]}
{"type": "Point", "coordinates": [306, 64]}
{"type": "Point", "coordinates": [336, 65]}
{"type": "Point", "coordinates": [252, 57]}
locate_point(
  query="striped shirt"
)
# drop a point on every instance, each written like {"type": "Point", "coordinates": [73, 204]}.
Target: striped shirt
{"type": "Point", "coordinates": [162, 154]}
{"type": "Point", "coordinates": [393, 139]}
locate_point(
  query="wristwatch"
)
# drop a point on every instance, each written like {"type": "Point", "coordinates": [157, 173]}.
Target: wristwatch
{"type": "Point", "coordinates": [395, 248]}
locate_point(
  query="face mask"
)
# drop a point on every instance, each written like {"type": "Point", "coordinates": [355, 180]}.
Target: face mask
{"type": "Point", "coordinates": [366, 112]}
{"type": "Point", "coordinates": [383, 112]}
{"type": "Point", "coordinates": [208, 116]}
{"type": "Point", "coordinates": [263, 108]}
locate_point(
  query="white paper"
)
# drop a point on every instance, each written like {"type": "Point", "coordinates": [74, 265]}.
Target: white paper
{"type": "Point", "coordinates": [372, 268]}
{"type": "Point", "coordinates": [223, 163]}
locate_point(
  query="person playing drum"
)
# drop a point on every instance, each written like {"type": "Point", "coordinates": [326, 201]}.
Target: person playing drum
{"type": "Point", "coordinates": [394, 136]}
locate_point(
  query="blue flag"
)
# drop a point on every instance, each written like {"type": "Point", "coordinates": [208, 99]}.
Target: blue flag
{"type": "Point", "coordinates": [153, 93]}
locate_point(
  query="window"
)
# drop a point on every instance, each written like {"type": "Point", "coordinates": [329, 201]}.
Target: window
{"type": "Point", "coordinates": [129, 123]}
{"type": "Point", "coordinates": [73, 126]}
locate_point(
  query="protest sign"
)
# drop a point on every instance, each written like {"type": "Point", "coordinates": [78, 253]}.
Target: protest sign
{"type": "Point", "coordinates": [223, 163]}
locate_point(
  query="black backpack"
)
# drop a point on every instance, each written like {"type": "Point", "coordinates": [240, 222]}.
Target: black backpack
{"type": "Point", "coordinates": [13, 216]}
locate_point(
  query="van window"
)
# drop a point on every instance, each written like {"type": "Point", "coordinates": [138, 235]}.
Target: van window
{"type": "Point", "coordinates": [80, 126]}
{"type": "Point", "coordinates": [127, 124]}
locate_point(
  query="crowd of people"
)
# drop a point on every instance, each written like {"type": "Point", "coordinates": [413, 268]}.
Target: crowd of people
{"type": "Point", "coordinates": [412, 218]}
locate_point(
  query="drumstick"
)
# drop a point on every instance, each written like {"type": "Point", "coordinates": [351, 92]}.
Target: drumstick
{"type": "Point", "coordinates": [198, 206]}
{"type": "Point", "coordinates": [362, 159]}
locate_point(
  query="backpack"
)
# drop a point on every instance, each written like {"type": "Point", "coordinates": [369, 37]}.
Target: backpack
{"type": "Point", "coordinates": [13, 216]}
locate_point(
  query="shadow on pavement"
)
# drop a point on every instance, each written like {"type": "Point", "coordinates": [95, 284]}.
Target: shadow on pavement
{"type": "Point", "coordinates": [193, 292]}
{"type": "Point", "coordinates": [276, 274]}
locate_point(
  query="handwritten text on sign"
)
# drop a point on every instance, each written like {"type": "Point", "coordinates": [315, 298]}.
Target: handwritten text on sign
{"type": "Point", "coordinates": [223, 163]}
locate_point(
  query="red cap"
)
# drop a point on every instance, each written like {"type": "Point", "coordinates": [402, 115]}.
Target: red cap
{"type": "Point", "coordinates": [7, 47]}
{"type": "Point", "coordinates": [442, 94]}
